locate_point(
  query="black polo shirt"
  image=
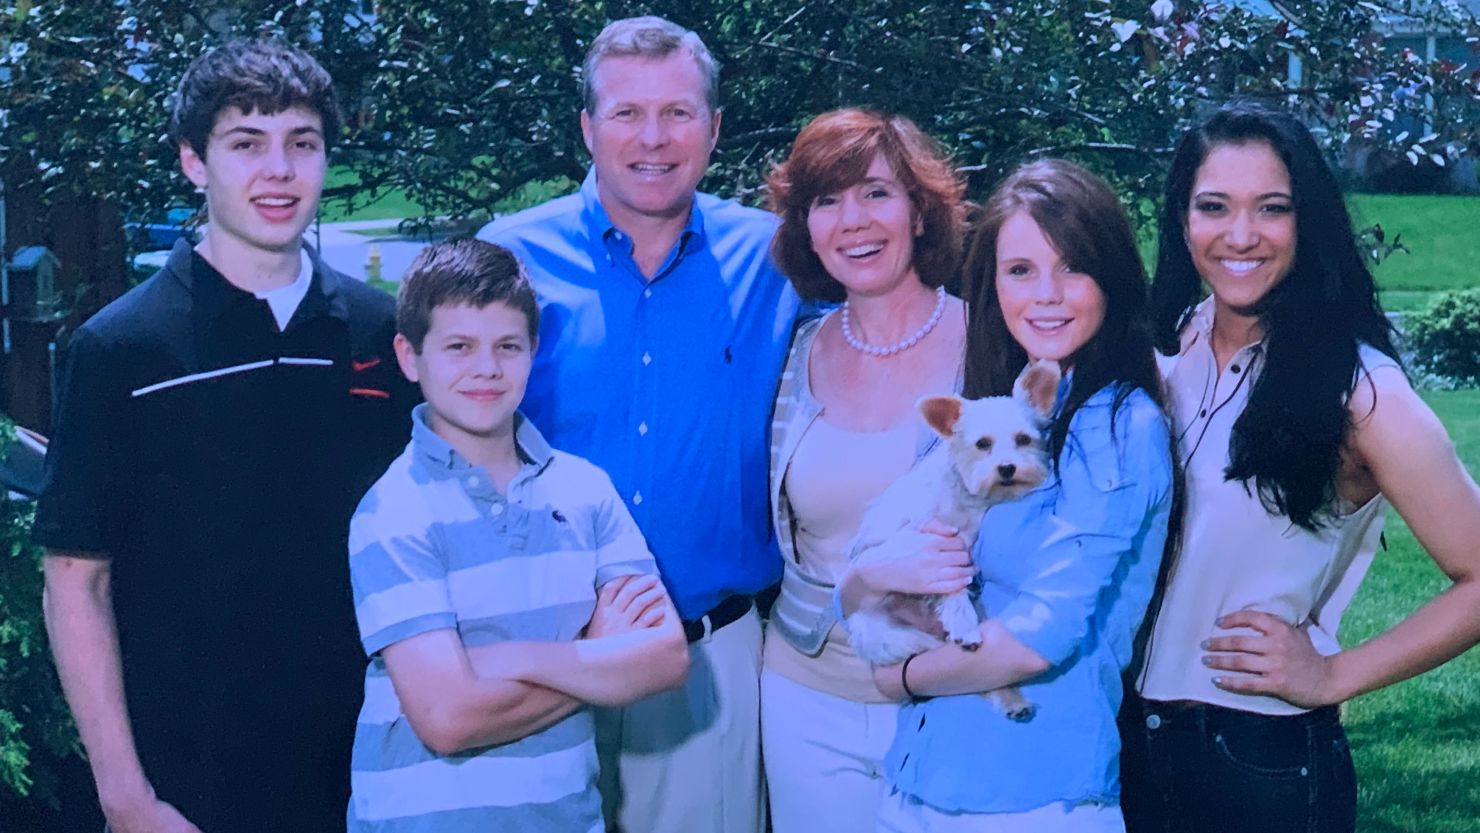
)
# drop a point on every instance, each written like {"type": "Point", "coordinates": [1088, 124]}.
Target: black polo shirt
{"type": "Point", "coordinates": [217, 461]}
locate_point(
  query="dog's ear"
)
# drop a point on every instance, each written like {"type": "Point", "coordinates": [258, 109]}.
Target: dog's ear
{"type": "Point", "coordinates": [941, 412]}
{"type": "Point", "coordinates": [1038, 386]}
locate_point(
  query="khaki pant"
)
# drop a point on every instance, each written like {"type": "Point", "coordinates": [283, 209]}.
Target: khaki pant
{"type": "Point", "coordinates": [824, 757]}
{"type": "Point", "coordinates": [688, 760]}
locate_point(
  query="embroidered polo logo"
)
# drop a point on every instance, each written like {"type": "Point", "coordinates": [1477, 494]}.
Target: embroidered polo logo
{"type": "Point", "coordinates": [360, 366]}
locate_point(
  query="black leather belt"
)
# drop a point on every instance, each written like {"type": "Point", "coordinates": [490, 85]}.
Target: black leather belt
{"type": "Point", "coordinates": [720, 615]}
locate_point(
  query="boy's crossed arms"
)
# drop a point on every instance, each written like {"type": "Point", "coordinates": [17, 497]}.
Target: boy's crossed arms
{"type": "Point", "coordinates": [459, 698]}
{"type": "Point", "coordinates": [499, 584]}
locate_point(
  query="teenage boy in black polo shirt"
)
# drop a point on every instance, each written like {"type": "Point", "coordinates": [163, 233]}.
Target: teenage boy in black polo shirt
{"type": "Point", "coordinates": [215, 429]}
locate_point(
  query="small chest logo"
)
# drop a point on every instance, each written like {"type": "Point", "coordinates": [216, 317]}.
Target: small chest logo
{"type": "Point", "coordinates": [360, 366]}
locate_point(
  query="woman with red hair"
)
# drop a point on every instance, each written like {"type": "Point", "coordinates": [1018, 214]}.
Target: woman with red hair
{"type": "Point", "coordinates": [871, 217]}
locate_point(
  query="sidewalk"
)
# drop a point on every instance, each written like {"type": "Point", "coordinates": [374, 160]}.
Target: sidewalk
{"type": "Point", "coordinates": [348, 252]}
{"type": "Point", "coordinates": [342, 248]}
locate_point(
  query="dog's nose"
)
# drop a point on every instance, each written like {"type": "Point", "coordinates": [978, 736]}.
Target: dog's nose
{"type": "Point", "coordinates": [1007, 470]}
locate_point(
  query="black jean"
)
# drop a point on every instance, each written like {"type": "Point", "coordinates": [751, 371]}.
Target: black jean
{"type": "Point", "coordinates": [1198, 768]}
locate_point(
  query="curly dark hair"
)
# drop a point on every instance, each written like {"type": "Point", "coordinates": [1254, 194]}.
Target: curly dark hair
{"type": "Point", "coordinates": [832, 153]}
{"type": "Point", "coordinates": [1288, 440]}
{"type": "Point", "coordinates": [263, 75]}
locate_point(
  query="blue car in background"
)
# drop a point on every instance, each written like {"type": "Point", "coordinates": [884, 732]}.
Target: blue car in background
{"type": "Point", "coordinates": [162, 232]}
{"type": "Point", "coordinates": [153, 240]}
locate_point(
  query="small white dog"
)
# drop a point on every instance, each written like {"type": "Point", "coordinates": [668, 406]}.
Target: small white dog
{"type": "Point", "coordinates": [993, 452]}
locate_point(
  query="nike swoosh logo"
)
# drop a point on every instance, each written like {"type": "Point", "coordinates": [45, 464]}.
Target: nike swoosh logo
{"type": "Point", "coordinates": [361, 366]}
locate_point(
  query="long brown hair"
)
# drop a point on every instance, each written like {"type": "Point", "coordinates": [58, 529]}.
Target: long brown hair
{"type": "Point", "coordinates": [1084, 221]}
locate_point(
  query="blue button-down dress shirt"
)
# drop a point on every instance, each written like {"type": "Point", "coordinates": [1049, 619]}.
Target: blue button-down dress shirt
{"type": "Point", "coordinates": [665, 383]}
{"type": "Point", "coordinates": [1069, 571]}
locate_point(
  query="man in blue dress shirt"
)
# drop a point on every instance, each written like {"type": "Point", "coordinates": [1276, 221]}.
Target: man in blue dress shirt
{"type": "Point", "coordinates": [664, 326]}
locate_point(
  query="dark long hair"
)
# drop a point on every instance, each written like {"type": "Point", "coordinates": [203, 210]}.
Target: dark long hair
{"type": "Point", "coordinates": [1288, 440]}
{"type": "Point", "coordinates": [1081, 217]}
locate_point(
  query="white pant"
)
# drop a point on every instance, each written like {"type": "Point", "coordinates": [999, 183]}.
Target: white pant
{"type": "Point", "coordinates": [688, 760]}
{"type": "Point", "coordinates": [824, 757]}
{"type": "Point", "coordinates": [901, 813]}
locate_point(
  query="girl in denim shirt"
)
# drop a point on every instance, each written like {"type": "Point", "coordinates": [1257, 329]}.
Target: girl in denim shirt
{"type": "Point", "coordinates": [1066, 572]}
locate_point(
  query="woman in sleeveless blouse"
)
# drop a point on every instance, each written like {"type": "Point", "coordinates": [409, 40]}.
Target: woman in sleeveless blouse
{"type": "Point", "coordinates": [871, 216]}
{"type": "Point", "coordinates": [1296, 428]}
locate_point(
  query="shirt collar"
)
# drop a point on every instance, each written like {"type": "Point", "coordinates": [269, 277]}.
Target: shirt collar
{"type": "Point", "coordinates": [1202, 317]}
{"type": "Point", "coordinates": [212, 294]}
{"type": "Point", "coordinates": [602, 226]}
{"type": "Point", "coordinates": [1199, 330]}
{"type": "Point", "coordinates": [299, 286]}
{"type": "Point", "coordinates": [534, 450]}
{"type": "Point", "coordinates": [1061, 393]}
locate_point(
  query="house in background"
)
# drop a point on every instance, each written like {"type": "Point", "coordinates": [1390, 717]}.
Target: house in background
{"type": "Point", "coordinates": [1387, 170]}
{"type": "Point", "coordinates": [1431, 44]}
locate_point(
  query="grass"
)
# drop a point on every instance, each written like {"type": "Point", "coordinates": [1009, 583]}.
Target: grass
{"type": "Point", "coordinates": [395, 205]}
{"type": "Point", "coordinates": [391, 205]}
{"type": "Point", "coordinates": [388, 287]}
{"type": "Point", "coordinates": [379, 232]}
{"type": "Point", "coordinates": [1441, 231]}
{"type": "Point", "coordinates": [1415, 742]}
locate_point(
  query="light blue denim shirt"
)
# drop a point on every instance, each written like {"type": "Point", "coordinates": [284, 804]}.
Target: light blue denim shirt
{"type": "Point", "coordinates": [665, 383]}
{"type": "Point", "coordinates": [1069, 571]}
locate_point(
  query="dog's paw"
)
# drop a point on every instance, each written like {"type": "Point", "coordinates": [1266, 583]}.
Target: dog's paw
{"type": "Point", "coordinates": [969, 642]}
{"type": "Point", "coordinates": [958, 616]}
{"type": "Point", "coordinates": [1012, 703]}
{"type": "Point", "coordinates": [1023, 713]}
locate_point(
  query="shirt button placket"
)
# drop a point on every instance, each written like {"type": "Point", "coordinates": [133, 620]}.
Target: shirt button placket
{"type": "Point", "coordinates": [645, 381]}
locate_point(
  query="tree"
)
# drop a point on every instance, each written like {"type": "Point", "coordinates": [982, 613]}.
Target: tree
{"type": "Point", "coordinates": [474, 110]}
{"type": "Point", "coordinates": [463, 103]}
{"type": "Point", "coordinates": [460, 103]}
{"type": "Point", "coordinates": [87, 83]}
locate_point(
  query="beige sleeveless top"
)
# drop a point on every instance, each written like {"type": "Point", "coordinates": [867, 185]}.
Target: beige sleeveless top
{"type": "Point", "coordinates": [833, 477]}
{"type": "Point", "coordinates": [1234, 554]}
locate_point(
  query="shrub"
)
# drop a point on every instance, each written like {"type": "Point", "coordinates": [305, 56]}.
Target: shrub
{"type": "Point", "coordinates": [33, 715]}
{"type": "Point", "coordinates": [1445, 336]}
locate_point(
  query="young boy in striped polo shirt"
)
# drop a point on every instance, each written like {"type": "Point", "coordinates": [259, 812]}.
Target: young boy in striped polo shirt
{"type": "Point", "coordinates": [500, 585]}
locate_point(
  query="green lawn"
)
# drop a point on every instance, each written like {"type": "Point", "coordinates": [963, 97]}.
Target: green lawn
{"type": "Point", "coordinates": [395, 205]}
{"type": "Point", "coordinates": [1443, 233]}
{"type": "Point", "coordinates": [1417, 744]}
{"type": "Point", "coordinates": [392, 205]}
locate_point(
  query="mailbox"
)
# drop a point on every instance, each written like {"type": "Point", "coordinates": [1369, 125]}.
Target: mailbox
{"type": "Point", "coordinates": [29, 290]}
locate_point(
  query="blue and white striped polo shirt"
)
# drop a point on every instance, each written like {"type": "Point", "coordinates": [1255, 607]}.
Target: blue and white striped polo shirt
{"type": "Point", "coordinates": [434, 545]}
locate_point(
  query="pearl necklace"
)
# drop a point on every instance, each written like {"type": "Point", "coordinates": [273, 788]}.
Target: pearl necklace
{"type": "Point", "coordinates": [909, 341]}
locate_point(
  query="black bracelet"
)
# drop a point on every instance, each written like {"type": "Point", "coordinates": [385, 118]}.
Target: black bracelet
{"type": "Point", "coordinates": [904, 678]}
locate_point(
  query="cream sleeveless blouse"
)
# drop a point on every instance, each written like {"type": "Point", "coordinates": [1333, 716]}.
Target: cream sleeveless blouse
{"type": "Point", "coordinates": [1235, 555]}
